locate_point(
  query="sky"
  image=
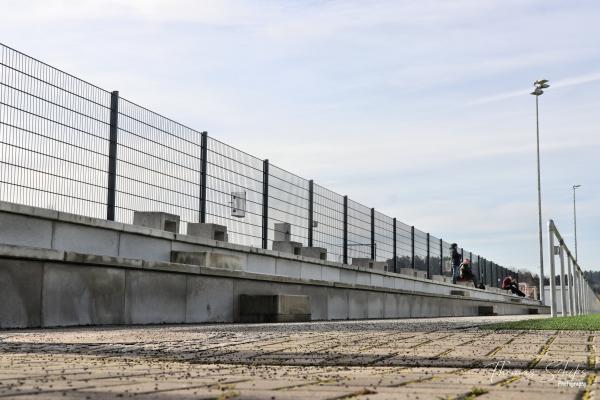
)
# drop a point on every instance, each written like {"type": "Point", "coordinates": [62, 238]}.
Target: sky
{"type": "Point", "coordinates": [420, 109]}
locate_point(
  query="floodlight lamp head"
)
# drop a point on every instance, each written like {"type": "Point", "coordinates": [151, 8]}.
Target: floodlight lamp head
{"type": "Point", "coordinates": [541, 82]}
{"type": "Point", "coordinates": [576, 186]}
{"type": "Point", "coordinates": [537, 92]}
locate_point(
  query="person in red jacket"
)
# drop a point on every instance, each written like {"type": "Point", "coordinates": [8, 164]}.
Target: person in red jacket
{"type": "Point", "coordinates": [509, 283]}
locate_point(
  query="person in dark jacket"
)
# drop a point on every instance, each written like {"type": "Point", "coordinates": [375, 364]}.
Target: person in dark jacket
{"type": "Point", "coordinates": [456, 261]}
{"type": "Point", "coordinates": [509, 283]}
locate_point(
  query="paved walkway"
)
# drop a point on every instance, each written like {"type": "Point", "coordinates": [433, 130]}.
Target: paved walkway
{"type": "Point", "coordinates": [399, 359]}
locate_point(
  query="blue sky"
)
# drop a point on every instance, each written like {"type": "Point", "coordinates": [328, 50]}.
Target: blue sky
{"type": "Point", "coordinates": [417, 108]}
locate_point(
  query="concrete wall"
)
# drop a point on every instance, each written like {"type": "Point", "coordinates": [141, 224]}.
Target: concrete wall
{"type": "Point", "coordinates": [63, 269]}
{"type": "Point", "coordinates": [37, 227]}
{"type": "Point", "coordinates": [45, 288]}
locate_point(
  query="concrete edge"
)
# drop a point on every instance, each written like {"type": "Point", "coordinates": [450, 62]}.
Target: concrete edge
{"type": "Point", "coordinates": [69, 257]}
{"type": "Point", "coordinates": [60, 216]}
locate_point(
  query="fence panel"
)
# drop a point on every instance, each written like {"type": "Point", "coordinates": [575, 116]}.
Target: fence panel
{"type": "Point", "coordinates": [232, 172]}
{"type": "Point", "coordinates": [420, 250]}
{"type": "Point", "coordinates": [54, 137]}
{"type": "Point", "coordinates": [447, 259]}
{"type": "Point", "coordinates": [329, 218]}
{"type": "Point", "coordinates": [384, 239]}
{"type": "Point", "coordinates": [435, 257]}
{"type": "Point", "coordinates": [158, 166]}
{"type": "Point", "coordinates": [359, 231]}
{"type": "Point", "coordinates": [288, 202]}
{"type": "Point", "coordinates": [403, 245]}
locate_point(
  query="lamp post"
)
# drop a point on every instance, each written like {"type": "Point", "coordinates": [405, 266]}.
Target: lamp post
{"type": "Point", "coordinates": [575, 218]}
{"type": "Point", "coordinates": [539, 86]}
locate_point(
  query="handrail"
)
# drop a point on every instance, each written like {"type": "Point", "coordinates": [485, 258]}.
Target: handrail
{"type": "Point", "coordinates": [582, 299]}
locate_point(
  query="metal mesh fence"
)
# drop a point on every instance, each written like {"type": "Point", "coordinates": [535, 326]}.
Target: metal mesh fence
{"type": "Point", "coordinates": [158, 165]}
{"type": "Point", "coordinates": [328, 231]}
{"type": "Point", "coordinates": [384, 238]}
{"type": "Point", "coordinates": [54, 131]}
{"type": "Point", "coordinates": [288, 203]}
{"type": "Point", "coordinates": [421, 251]}
{"type": "Point", "coordinates": [435, 257]}
{"type": "Point", "coordinates": [68, 145]}
{"type": "Point", "coordinates": [359, 230]}
{"type": "Point", "coordinates": [234, 173]}
{"type": "Point", "coordinates": [403, 245]}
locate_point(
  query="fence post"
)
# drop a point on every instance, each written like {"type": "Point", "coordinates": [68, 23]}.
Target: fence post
{"type": "Point", "coordinates": [345, 257]}
{"type": "Point", "coordinates": [563, 297]}
{"type": "Point", "coordinates": [265, 210]}
{"type": "Point", "coordinates": [442, 257]}
{"type": "Point", "coordinates": [373, 250]}
{"type": "Point", "coordinates": [412, 246]}
{"type": "Point", "coordinates": [428, 258]}
{"type": "Point", "coordinates": [112, 156]}
{"type": "Point", "coordinates": [552, 273]}
{"type": "Point", "coordinates": [310, 212]}
{"type": "Point", "coordinates": [570, 283]}
{"type": "Point", "coordinates": [394, 238]}
{"type": "Point", "coordinates": [203, 165]}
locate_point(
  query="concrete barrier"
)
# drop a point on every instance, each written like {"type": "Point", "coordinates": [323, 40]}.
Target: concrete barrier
{"type": "Point", "coordinates": [65, 254]}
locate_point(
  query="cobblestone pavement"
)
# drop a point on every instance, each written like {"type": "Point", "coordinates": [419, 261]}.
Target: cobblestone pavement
{"type": "Point", "coordinates": [388, 359]}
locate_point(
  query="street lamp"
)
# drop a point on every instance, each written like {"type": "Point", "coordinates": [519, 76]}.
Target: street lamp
{"type": "Point", "coordinates": [575, 218]}
{"type": "Point", "coordinates": [539, 86]}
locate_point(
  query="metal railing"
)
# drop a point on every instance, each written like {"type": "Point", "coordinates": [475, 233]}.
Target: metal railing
{"type": "Point", "coordinates": [581, 297]}
{"type": "Point", "coordinates": [71, 146]}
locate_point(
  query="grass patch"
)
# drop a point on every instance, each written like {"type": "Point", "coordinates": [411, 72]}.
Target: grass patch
{"type": "Point", "coordinates": [576, 323]}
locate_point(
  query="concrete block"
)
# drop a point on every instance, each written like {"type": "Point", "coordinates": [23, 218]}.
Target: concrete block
{"type": "Point", "coordinates": [144, 247]}
{"type": "Point", "coordinates": [390, 305]}
{"type": "Point", "coordinates": [22, 230]}
{"type": "Point", "coordinates": [209, 299]}
{"type": "Point", "coordinates": [404, 305]}
{"type": "Point", "coordinates": [20, 293]}
{"type": "Point", "coordinates": [208, 231]}
{"type": "Point", "coordinates": [287, 247]}
{"type": "Point", "coordinates": [85, 239]}
{"type": "Point", "coordinates": [348, 276]}
{"type": "Point", "coordinates": [318, 301]}
{"type": "Point", "coordinates": [289, 268]}
{"type": "Point", "coordinates": [157, 220]}
{"type": "Point", "coordinates": [274, 308]}
{"type": "Point", "coordinates": [83, 295]}
{"type": "Point", "coordinates": [330, 274]}
{"type": "Point", "coordinates": [376, 280]}
{"type": "Point", "coordinates": [361, 262]}
{"type": "Point", "coordinates": [310, 271]}
{"type": "Point", "coordinates": [363, 278]}
{"type": "Point", "coordinates": [208, 259]}
{"type": "Point", "coordinates": [261, 264]}
{"type": "Point", "coordinates": [485, 310]}
{"type": "Point", "coordinates": [154, 297]}
{"type": "Point", "coordinates": [407, 271]}
{"type": "Point", "coordinates": [388, 282]}
{"type": "Point", "coordinates": [439, 278]}
{"type": "Point", "coordinates": [369, 263]}
{"type": "Point", "coordinates": [404, 284]}
{"type": "Point", "coordinates": [337, 304]}
{"type": "Point", "coordinates": [375, 305]}
{"type": "Point", "coordinates": [421, 274]}
{"type": "Point", "coordinates": [358, 302]}
{"type": "Point", "coordinates": [283, 232]}
{"type": "Point", "coordinates": [251, 287]}
{"type": "Point", "coordinates": [314, 252]}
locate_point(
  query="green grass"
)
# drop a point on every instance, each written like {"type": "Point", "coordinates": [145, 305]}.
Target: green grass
{"type": "Point", "coordinates": [577, 323]}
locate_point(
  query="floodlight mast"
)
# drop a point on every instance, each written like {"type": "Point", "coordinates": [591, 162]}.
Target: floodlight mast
{"type": "Point", "coordinates": [539, 87]}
